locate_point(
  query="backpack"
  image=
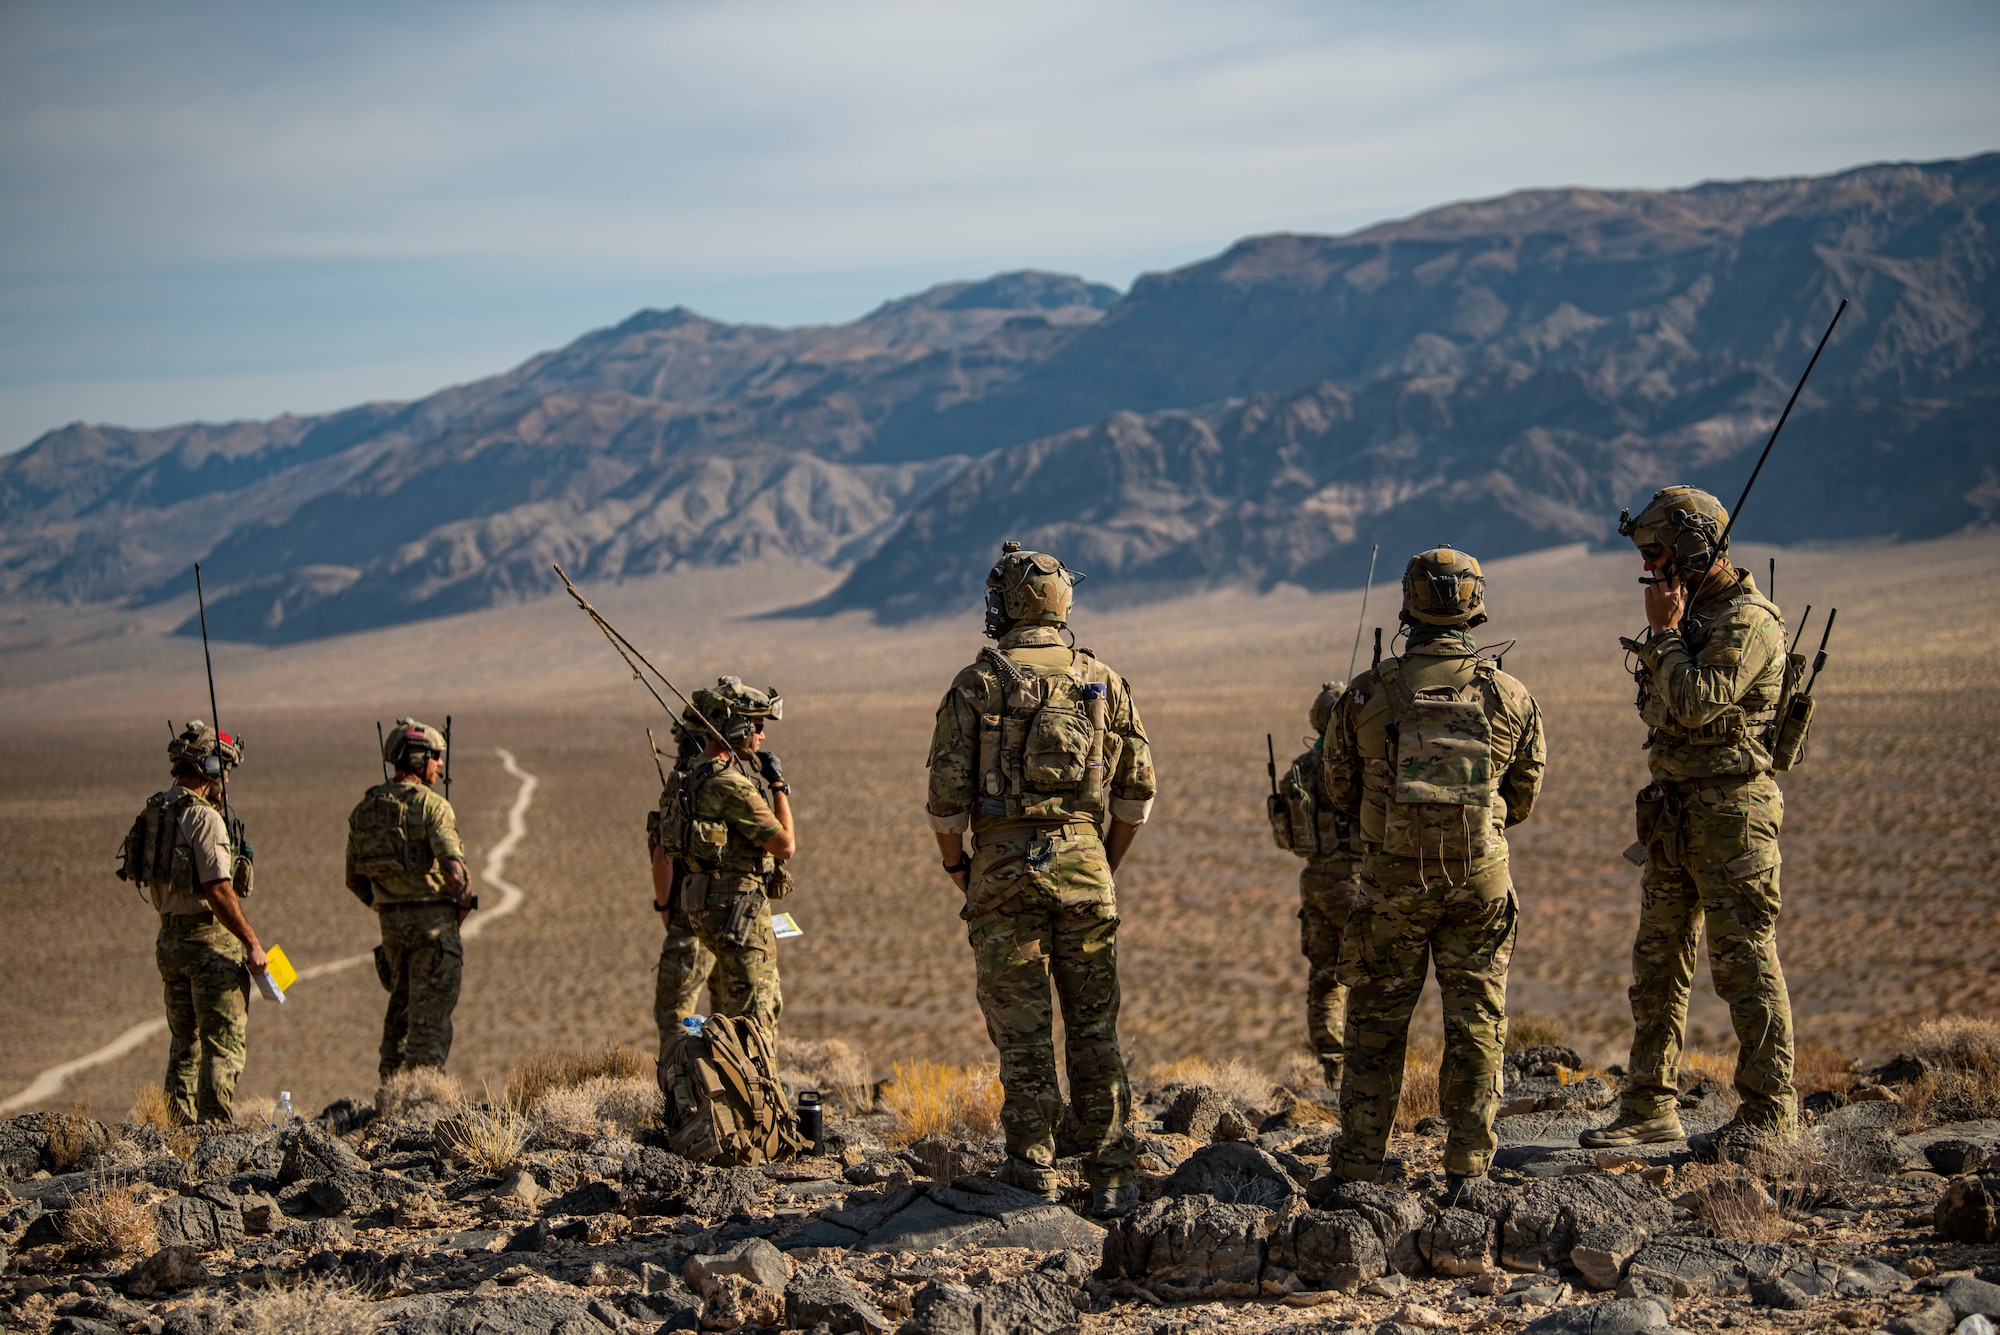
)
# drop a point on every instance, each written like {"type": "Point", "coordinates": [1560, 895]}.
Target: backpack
{"type": "Point", "coordinates": [1441, 768]}
{"type": "Point", "coordinates": [378, 835]}
{"type": "Point", "coordinates": [1043, 755]}
{"type": "Point", "coordinates": [153, 853]}
{"type": "Point", "coordinates": [725, 1103]}
{"type": "Point", "coordinates": [1299, 823]}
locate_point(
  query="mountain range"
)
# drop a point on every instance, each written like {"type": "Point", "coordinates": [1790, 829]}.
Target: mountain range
{"type": "Point", "coordinates": [1502, 374]}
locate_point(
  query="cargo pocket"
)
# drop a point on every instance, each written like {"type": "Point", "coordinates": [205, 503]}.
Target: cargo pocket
{"type": "Point", "coordinates": [382, 969]}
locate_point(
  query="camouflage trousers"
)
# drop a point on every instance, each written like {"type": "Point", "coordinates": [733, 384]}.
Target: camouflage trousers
{"type": "Point", "coordinates": [421, 962]}
{"type": "Point", "coordinates": [1328, 888]}
{"type": "Point", "coordinates": [208, 996]}
{"type": "Point", "coordinates": [1720, 868]}
{"type": "Point", "coordinates": [1410, 918]}
{"type": "Point", "coordinates": [685, 965]}
{"type": "Point", "coordinates": [1039, 909]}
{"type": "Point", "coordinates": [744, 977]}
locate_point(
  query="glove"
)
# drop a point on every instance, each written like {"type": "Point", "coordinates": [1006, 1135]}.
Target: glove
{"type": "Point", "coordinates": [774, 774]}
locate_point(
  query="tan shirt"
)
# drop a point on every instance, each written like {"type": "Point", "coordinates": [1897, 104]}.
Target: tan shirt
{"type": "Point", "coordinates": [206, 839]}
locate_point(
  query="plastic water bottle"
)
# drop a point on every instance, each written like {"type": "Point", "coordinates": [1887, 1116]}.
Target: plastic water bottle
{"type": "Point", "coordinates": [692, 1025]}
{"type": "Point", "coordinates": [283, 1112]}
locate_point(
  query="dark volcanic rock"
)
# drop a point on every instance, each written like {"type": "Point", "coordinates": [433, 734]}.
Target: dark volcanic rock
{"type": "Point", "coordinates": [310, 1152]}
{"type": "Point", "coordinates": [1720, 1265]}
{"type": "Point", "coordinates": [1954, 1157]}
{"type": "Point", "coordinates": [1967, 1296]}
{"type": "Point", "coordinates": [187, 1221]}
{"type": "Point", "coordinates": [824, 1294]}
{"type": "Point", "coordinates": [1395, 1215]}
{"type": "Point", "coordinates": [1612, 1316]}
{"type": "Point", "coordinates": [1030, 1305]}
{"type": "Point", "coordinates": [1458, 1242]}
{"type": "Point", "coordinates": [1189, 1245]}
{"type": "Point", "coordinates": [1969, 1210]}
{"type": "Point", "coordinates": [509, 1312]}
{"type": "Point", "coordinates": [587, 1198]}
{"type": "Point", "coordinates": [1934, 1317]}
{"type": "Point", "coordinates": [1611, 1215]}
{"type": "Point", "coordinates": [663, 1183]}
{"type": "Point", "coordinates": [1233, 1170]}
{"type": "Point", "coordinates": [1327, 1249]}
{"type": "Point", "coordinates": [168, 1270]}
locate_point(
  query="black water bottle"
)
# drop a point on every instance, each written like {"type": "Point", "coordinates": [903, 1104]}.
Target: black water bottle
{"type": "Point", "coordinates": [811, 1124]}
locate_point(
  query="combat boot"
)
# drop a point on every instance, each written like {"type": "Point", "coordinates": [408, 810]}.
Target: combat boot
{"type": "Point", "coordinates": [1113, 1202]}
{"type": "Point", "coordinates": [1029, 1177]}
{"type": "Point", "coordinates": [1630, 1130]}
{"type": "Point", "coordinates": [1737, 1137]}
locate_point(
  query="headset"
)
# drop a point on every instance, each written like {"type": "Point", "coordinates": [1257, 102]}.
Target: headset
{"type": "Point", "coordinates": [1693, 542]}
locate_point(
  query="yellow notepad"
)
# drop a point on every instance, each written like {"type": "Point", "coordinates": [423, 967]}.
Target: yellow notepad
{"type": "Point", "coordinates": [277, 976]}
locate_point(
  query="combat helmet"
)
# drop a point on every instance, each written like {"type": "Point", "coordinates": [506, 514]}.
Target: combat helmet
{"type": "Point", "coordinates": [734, 709]}
{"type": "Point", "coordinates": [410, 743]}
{"type": "Point", "coordinates": [1027, 588]}
{"type": "Point", "coordinates": [1688, 524]}
{"type": "Point", "coordinates": [1323, 703]}
{"type": "Point", "coordinates": [198, 749]}
{"type": "Point", "coordinates": [1444, 587]}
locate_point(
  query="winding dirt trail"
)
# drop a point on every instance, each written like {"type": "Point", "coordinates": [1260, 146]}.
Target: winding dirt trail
{"type": "Point", "coordinates": [49, 1082]}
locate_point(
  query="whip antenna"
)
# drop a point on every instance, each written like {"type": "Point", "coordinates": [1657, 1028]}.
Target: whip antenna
{"type": "Point", "coordinates": [214, 714]}
{"type": "Point", "coordinates": [1362, 621]}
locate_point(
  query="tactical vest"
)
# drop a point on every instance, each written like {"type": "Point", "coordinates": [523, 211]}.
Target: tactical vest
{"type": "Point", "coordinates": [1755, 717]}
{"type": "Point", "coordinates": [1437, 784]}
{"type": "Point", "coordinates": [1043, 756]}
{"type": "Point", "coordinates": [680, 831]}
{"type": "Point", "coordinates": [155, 854]}
{"type": "Point", "coordinates": [1302, 821]}
{"type": "Point", "coordinates": [389, 838]}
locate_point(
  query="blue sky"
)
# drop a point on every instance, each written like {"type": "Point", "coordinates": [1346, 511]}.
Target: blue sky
{"type": "Point", "coordinates": [233, 210]}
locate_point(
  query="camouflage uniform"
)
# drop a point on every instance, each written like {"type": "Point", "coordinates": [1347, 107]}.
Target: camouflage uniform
{"type": "Point", "coordinates": [684, 969]}
{"type": "Point", "coordinates": [201, 966]}
{"type": "Point", "coordinates": [726, 895]}
{"type": "Point", "coordinates": [1710, 823]}
{"type": "Point", "coordinates": [1040, 904]}
{"type": "Point", "coordinates": [421, 960]}
{"type": "Point", "coordinates": [1329, 887]}
{"type": "Point", "coordinates": [1458, 915]}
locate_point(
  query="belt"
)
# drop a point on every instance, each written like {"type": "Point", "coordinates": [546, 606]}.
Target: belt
{"type": "Point", "coordinates": [411, 903]}
{"type": "Point", "coordinates": [187, 919]}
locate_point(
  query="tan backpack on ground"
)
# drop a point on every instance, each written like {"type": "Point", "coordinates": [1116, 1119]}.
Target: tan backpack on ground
{"type": "Point", "coordinates": [725, 1103]}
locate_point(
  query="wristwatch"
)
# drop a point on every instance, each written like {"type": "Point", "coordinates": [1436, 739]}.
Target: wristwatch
{"type": "Point", "coordinates": [964, 864]}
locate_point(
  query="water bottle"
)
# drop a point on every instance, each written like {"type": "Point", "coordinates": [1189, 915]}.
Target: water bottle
{"type": "Point", "coordinates": [283, 1112]}
{"type": "Point", "coordinates": [811, 1118]}
{"type": "Point", "coordinates": [691, 1026]}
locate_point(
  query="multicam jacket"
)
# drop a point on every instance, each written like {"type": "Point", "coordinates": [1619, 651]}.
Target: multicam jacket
{"type": "Point", "coordinates": [399, 836]}
{"type": "Point", "coordinates": [977, 746]}
{"type": "Point", "coordinates": [1709, 690]}
{"type": "Point", "coordinates": [732, 817]}
{"type": "Point", "coordinates": [1360, 747]}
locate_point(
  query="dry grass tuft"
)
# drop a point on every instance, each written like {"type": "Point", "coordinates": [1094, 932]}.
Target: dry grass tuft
{"type": "Point", "coordinates": [111, 1221]}
{"type": "Point", "coordinates": [490, 1136]}
{"type": "Point", "coordinates": [1233, 1078]}
{"type": "Point", "coordinates": [149, 1106]}
{"type": "Point", "coordinates": [530, 1080]}
{"type": "Point", "coordinates": [599, 1105]}
{"type": "Point", "coordinates": [1736, 1203]}
{"type": "Point", "coordinates": [1533, 1029]}
{"type": "Point", "coordinates": [1819, 1067]}
{"type": "Point", "coordinates": [1964, 1084]}
{"type": "Point", "coordinates": [1420, 1082]}
{"type": "Point", "coordinates": [838, 1070]}
{"type": "Point", "coordinates": [316, 1308]}
{"type": "Point", "coordinates": [934, 1099]}
{"type": "Point", "coordinates": [74, 1137]}
{"type": "Point", "coordinates": [419, 1092]}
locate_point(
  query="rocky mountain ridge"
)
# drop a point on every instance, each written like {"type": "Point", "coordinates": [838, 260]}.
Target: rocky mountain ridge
{"type": "Point", "coordinates": [1505, 374]}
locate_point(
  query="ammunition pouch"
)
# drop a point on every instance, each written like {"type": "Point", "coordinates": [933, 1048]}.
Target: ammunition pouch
{"type": "Point", "coordinates": [1280, 812]}
{"type": "Point", "coordinates": [745, 915]}
{"type": "Point", "coordinates": [778, 884]}
{"type": "Point", "coordinates": [1657, 817]}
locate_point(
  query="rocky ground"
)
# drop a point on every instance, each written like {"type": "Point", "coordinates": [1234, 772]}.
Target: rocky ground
{"type": "Point", "coordinates": [356, 1221]}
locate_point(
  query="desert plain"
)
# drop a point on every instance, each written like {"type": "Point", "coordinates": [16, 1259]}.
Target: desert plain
{"type": "Point", "coordinates": [1892, 902]}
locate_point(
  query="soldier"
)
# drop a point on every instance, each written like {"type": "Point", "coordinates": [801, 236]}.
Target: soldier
{"type": "Point", "coordinates": [1039, 752]}
{"type": "Point", "coordinates": [406, 861]}
{"type": "Point", "coordinates": [727, 820]}
{"type": "Point", "coordinates": [193, 861]}
{"type": "Point", "coordinates": [1711, 670]}
{"type": "Point", "coordinates": [1434, 753]}
{"type": "Point", "coordinates": [685, 963]}
{"type": "Point", "coordinates": [1328, 886]}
